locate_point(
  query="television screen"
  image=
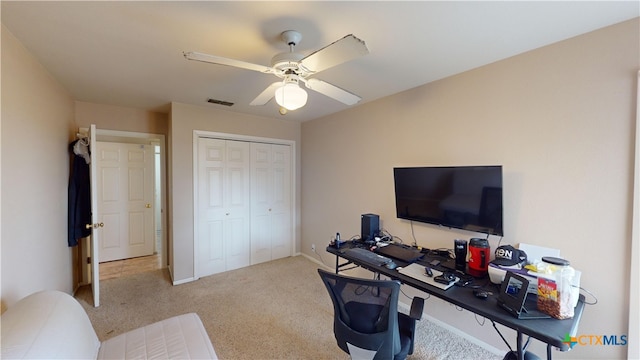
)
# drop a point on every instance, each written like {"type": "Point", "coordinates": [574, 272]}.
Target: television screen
{"type": "Point", "coordinates": [462, 197]}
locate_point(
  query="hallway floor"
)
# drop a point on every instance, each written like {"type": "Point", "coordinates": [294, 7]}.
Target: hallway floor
{"type": "Point", "coordinates": [118, 268]}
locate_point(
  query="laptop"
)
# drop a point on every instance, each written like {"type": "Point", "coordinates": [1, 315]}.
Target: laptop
{"type": "Point", "coordinates": [513, 298]}
{"type": "Point", "coordinates": [402, 253]}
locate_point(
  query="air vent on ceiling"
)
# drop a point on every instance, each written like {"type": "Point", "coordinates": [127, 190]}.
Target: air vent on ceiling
{"type": "Point", "coordinates": [220, 102]}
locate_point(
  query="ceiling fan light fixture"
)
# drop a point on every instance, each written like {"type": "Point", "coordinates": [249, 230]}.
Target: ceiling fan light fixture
{"type": "Point", "coordinates": [290, 96]}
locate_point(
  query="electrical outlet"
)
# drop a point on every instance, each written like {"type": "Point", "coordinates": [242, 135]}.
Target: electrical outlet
{"type": "Point", "coordinates": [313, 247]}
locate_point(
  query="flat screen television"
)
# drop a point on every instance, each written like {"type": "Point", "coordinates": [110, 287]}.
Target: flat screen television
{"type": "Point", "coordinates": [461, 197]}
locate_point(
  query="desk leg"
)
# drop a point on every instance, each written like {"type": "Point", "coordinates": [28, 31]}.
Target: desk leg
{"type": "Point", "coordinates": [548, 352]}
{"type": "Point", "coordinates": [337, 258]}
{"type": "Point", "coordinates": [520, 351]}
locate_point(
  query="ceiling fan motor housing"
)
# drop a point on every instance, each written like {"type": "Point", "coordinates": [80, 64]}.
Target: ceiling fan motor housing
{"type": "Point", "coordinates": [287, 61]}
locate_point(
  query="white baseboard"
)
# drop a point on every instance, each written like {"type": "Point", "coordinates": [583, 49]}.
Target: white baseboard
{"type": "Point", "coordinates": [317, 261]}
{"type": "Point", "coordinates": [184, 281]}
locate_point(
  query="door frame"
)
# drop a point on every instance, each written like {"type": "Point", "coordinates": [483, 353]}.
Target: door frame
{"type": "Point", "coordinates": [95, 233]}
{"type": "Point", "coordinates": [147, 139]}
{"type": "Point", "coordinates": [197, 134]}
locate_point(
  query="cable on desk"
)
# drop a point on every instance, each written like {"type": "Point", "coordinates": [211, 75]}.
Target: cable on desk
{"type": "Point", "coordinates": [595, 299]}
{"type": "Point", "coordinates": [354, 237]}
{"type": "Point", "coordinates": [413, 235]}
{"type": "Point", "coordinates": [361, 289]}
{"type": "Point", "coordinates": [385, 236]}
{"type": "Point", "coordinates": [411, 297]}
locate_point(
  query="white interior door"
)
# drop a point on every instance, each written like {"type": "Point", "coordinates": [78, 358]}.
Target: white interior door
{"type": "Point", "coordinates": [95, 214]}
{"type": "Point", "coordinates": [125, 193]}
{"type": "Point", "coordinates": [223, 205]}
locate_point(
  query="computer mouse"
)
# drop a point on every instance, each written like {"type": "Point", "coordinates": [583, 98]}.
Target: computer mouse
{"type": "Point", "coordinates": [481, 294]}
{"type": "Point", "coordinates": [391, 265]}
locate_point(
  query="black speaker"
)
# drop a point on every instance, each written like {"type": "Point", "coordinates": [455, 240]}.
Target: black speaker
{"type": "Point", "coordinates": [370, 227]}
{"type": "Point", "coordinates": [460, 250]}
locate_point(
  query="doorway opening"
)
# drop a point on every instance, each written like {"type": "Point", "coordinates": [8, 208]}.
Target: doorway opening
{"type": "Point", "coordinates": [159, 258]}
{"type": "Point", "coordinates": [133, 265]}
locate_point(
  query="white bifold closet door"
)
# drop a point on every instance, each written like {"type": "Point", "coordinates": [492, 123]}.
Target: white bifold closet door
{"type": "Point", "coordinates": [270, 202]}
{"type": "Point", "coordinates": [223, 201]}
{"type": "Point", "coordinates": [243, 199]}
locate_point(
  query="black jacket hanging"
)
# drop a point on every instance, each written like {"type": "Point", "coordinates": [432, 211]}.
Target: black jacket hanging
{"type": "Point", "coordinates": [79, 193]}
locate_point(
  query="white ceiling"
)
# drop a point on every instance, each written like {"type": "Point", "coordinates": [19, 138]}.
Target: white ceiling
{"type": "Point", "coordinates": [130, 53]}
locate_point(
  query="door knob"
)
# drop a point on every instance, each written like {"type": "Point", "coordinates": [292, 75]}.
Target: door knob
{"type": "Point", "coordinates": [95, 226]}
{"type": "Point", "coordinates": [148, 206]}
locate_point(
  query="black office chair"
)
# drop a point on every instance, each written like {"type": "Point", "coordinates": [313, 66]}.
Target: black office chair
{"type": "Point", "coordinates": [366, 316]}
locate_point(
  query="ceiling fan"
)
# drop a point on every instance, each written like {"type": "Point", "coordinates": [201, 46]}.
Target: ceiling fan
{"type": "Point", "coordinates": [293, 68]}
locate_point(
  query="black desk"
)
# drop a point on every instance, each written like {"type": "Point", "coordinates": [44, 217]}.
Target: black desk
{"type": "Point", "coordinates": [550, 331]}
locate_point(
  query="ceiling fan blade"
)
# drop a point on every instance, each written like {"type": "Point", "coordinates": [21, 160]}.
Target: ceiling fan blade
{"type": "Point", "coordinates": [332, 91]}
{"type": "Point", "coordinates": [338, 52]}
{"type": "Point", "coordinates": [212, 59]}
{"type": "Point", "coordinates": [267, 94]}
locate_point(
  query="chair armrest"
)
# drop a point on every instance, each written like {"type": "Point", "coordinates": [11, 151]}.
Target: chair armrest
{"type": "Point", "coordinates": [417, 306]}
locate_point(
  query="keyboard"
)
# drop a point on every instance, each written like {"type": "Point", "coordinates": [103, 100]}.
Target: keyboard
{"type": "Point", "coordinates": [367, 257]}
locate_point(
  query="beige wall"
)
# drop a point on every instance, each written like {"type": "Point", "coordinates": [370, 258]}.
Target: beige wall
{"type": "Point", "coordinates": [108, 117]}
{"type": "Point", "coordinates": [37, 127]}
{"type": "Point", "coordinates": [560, 120]}
{"type": "Point", "coordinates": [184, 119]}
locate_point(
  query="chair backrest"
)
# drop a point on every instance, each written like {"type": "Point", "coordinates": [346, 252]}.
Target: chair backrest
{"type": "Point", "coordinates": [365, 313]}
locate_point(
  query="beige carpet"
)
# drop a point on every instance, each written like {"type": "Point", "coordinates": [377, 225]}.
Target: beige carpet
{"type": "Point", "coordinates": [274, 310]}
